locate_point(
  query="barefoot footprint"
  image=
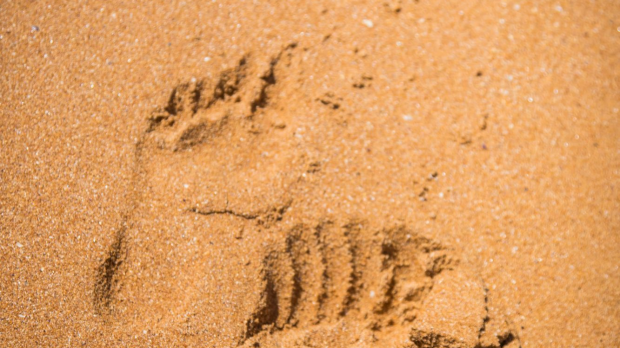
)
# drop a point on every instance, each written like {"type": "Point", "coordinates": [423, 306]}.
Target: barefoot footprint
{"type": "Point", "coordinates": [211, 255]}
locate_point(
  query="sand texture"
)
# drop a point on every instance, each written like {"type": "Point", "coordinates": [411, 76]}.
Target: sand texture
{"type": "Point", "coordinates": [310, 174]}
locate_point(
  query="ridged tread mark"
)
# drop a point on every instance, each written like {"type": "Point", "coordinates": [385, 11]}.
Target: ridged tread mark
{"type": "Point", "coordinates": [276, 300]}
{"type": "Point", "coordinates": [267, 310]}
{"type": "Point", "coordinates": [338, 263]}
{"type": "Point", "coordinates": [323, 290]}
{"type": "Point", "coordinates": [388, 275]}
{"type": "Point", "coordinates": [352, 292]}
{"type": "Point", "coordinates": [302, 248]}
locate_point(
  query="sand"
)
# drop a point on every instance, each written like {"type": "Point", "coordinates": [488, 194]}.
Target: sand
{"type": "Point", "coordinates": [310, 174]}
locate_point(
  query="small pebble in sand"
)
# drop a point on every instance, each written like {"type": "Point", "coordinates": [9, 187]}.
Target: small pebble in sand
{"type": "Point", "coordinates": [19, 245]}
{"type": "Point", "coordinates": [368, 23]}
{"type": "Point", "coordinates": [34, 28]}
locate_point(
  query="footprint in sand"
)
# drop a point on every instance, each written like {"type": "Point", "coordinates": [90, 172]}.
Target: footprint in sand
{"type": "Point", "coordinates": [211, 253]}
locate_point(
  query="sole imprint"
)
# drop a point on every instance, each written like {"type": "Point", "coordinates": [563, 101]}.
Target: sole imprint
{"type": "Point", "coordinates": [330, 283]}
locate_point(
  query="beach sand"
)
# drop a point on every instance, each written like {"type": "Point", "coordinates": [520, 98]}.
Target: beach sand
{"type": "Point", "coordinates": [310, 174]}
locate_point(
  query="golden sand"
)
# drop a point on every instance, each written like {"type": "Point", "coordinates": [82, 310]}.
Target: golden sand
{"type": "Point", "coordinates": [310, 174]}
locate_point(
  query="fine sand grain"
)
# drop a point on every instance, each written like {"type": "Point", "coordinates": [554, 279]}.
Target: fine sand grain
{"type": "Point", "coordinates": [310, 174]}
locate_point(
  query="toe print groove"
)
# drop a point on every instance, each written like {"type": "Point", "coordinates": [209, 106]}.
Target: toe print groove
{"type": "Point", "coordinates": [198, 109]}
